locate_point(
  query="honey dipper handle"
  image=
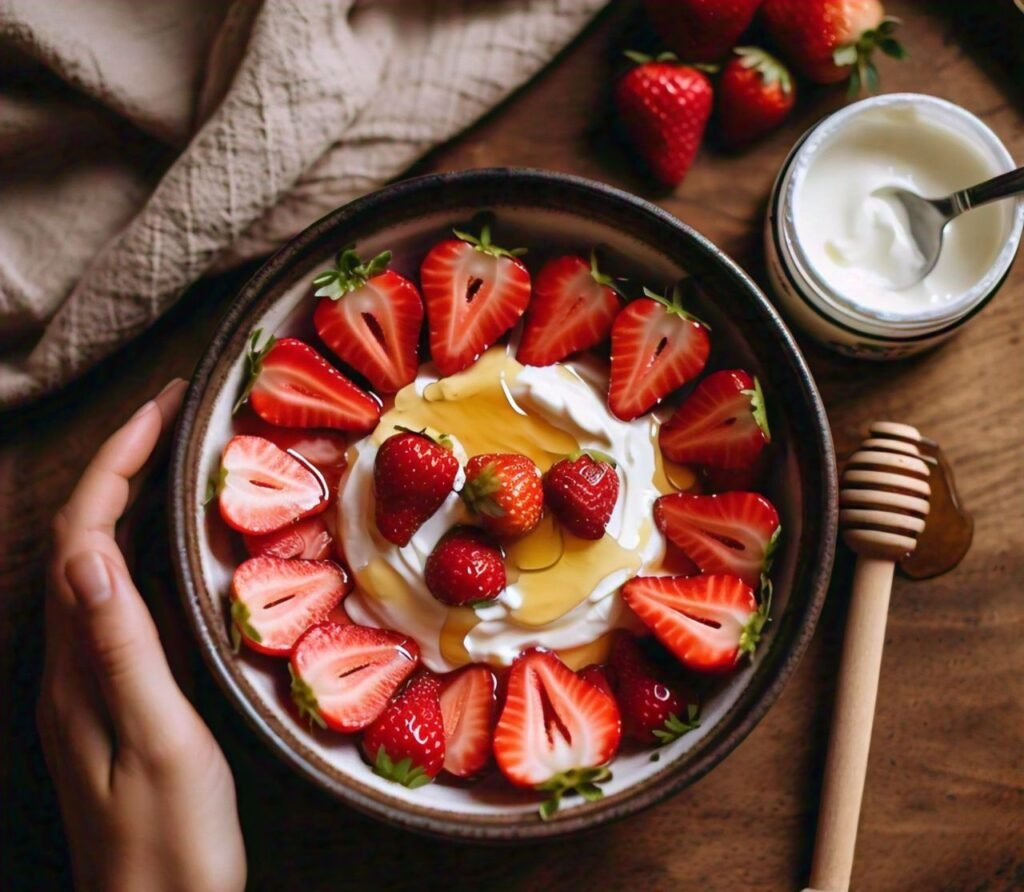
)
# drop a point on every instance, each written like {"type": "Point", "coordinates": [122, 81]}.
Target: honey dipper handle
{"type": "Point", "coordinates": [850, 737]}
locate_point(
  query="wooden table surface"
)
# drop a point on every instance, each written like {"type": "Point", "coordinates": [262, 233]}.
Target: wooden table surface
{"type": "Point", "coordinates": [944, 804]}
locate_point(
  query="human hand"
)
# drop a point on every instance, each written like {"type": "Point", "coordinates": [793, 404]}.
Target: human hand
{"type": "Point", "coordinates": [146, 795]}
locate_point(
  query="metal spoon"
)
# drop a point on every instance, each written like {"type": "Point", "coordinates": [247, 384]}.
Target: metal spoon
{"type": "Point", "coordinates": [927, 217]}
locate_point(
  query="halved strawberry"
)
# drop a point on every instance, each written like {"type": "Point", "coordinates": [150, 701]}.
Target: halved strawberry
{"type": "Point", "coordinates": [343, 676]}
{"type": "Point", "coordinates": [469, 707]}
{"type": "Point", "coordinates": [723, 423]}
{"type": "Point", "coordinates": [656, 347]}
{"type": "Point", "coordinates": [556, 732]}
{"type": "Point", "coordinates": [732, 532]}
{"type": "Point", "coordinates": [474, 292]}
{"type": "Point", "coordinates": [262, 488]}
{"type": "Point", "coordinates": [708, 622]}
{"type": "Point", "coordinates": [370, 316]}
{"type": "Point", "coordinates": [572, 308]}
{"type": "Point", "coordinates": [325, 450]}
{"type": "Point", "coordinates": [308, 539]}
{"type": "Point", "coordinates": [406, 742]}
{"type": "Point", "coordinates": [291, 385]}
{"type": "Point", "coordinates": [273, 601]}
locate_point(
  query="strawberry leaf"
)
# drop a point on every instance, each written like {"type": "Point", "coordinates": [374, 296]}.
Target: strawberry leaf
{"type": "Point", "coordinates": [484, 245]}
{"type": "Point", "coordinates": [305, 700]}
{"type": "Point", "coordinates": [214, 486]}
{"type": "Point", "coordinates": [241, 616]}
{"type": "Point", "coordinates": [759, 408]}
{"type": "Point", "coordinates": [582, 781]}
{"type": "Point", "coordinates": [349, 273]}
{"type": "Point", "coordinates": [675, 727]}
{"type": "Point", "coordinates": [254, 365]}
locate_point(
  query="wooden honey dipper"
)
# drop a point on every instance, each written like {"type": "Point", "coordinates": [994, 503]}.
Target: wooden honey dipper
{"type": "Point", "coordinates": [883, 501]}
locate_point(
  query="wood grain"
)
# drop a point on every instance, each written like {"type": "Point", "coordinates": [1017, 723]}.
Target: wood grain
{"type": "Point", "coordinates": [944, 804]}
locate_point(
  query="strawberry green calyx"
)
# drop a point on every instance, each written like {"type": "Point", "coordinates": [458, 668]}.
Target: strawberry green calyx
{"type": "Point", "coordinates": [676, 727]}
{"type": "Point", "coordinates": [349, 273]}
{"type": "Point", "coordinates": [305, 700]}
{"type": "Point", "coordinates": [603, 278]}
{"type": "Point", "coordinates": [240, 625]}
{"type": "Point", "coordinates": [594, 455]}
{"type": "Point", "coordinates": [215, 485]}
{"type": "Point", "coordinates": [772, 71]}
{"type": "Point", "coordinates": [254, 357]}
{"type": "Point", "coordinates": [582, 781]}
{"type": "Point", "coordinates": [674, 303]}
{"type": "Point", "coordinates": [644, 58]}
{"type": "Point", "coordinates": [484, 245]}
{"type": "Point", "coordinates": [403, 772]}
{"type": "Point", "coordinates": [478, 491]}
{"type": "Point", "coordinates": [759, 408]}
{"type": "Point", "coordinates": [769, 554]}
{"type": "Point", "coordinates": [443, 440]}
{"type": "Point", "coordinates": [857, 55]}
{"type": "Point", "coordinates": [751, 633]}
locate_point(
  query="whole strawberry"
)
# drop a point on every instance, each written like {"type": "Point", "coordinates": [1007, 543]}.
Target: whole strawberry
{"type": "Point", "coordinates": [831, 40]}
{"type": "Point", "coordinates": [664, 107]}
{"type": "Point", "coordinates": [581, 491]}
{"type": "Point", "coordinates": [505, 490]}
{"type": "Point", "coordinates": [406, 743]}
{"type": "Point", "coordinates": [465, 569]}
{"type": "Point", "coordinates": [412, 475]}
{"type": "Point", "coordinates": [701, 30]}
{"type": "Point", "coordinates": [653, 711]}
{"type": "Point", "coordinates": [755, 94]}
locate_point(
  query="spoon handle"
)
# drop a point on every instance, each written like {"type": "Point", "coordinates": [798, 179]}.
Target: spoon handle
{"type": "Point", "coordinates": [1011, 183]}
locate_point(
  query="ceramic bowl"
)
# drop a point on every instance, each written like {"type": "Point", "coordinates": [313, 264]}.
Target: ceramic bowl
{"type": "Point", "coordinates": [546, 211]}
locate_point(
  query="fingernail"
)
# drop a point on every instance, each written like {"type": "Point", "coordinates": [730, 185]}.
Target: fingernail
{"type": "Point", "coordinates": [143, 409]}
{"type": "Point", "coordinates": [89, 578]}
{"type": "Point", "coordinates": [174, 382]}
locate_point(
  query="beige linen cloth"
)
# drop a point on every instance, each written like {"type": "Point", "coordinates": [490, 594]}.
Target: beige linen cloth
{"type": "Point", "coordinates": [146, 142]}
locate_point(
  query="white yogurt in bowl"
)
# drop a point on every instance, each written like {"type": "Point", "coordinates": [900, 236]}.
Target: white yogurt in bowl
{"type": "Point", "coordinates": [835, 249]}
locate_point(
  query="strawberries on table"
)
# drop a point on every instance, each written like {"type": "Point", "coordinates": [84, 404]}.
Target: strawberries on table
{"type": "Point", "coordinates": [664, 107]}
{"type": "Point", "coordinates": [406, 743]}
{"type": "Point", "coordinates": [370, 317]}
{"type": "Point", "coordinates": [273, 601]}
{"type": "Point", "coordinates": [469, 709]}
{"type": "Point", "coordinates": [701, 30]}
{"type": "Point", "coordinates": [292, 385]}
{"type": "Point", "coordinates": [465, 569]}
{"type": "Point", "coordinates": [832, 40]}
{"type": "Point", "coordinates": [732, 532]}
{"type": "Point", "coordinates": [755, 95]}
{"type": "Point", "coordinates": [707, 622]}
{"type": "Point", "coordinates": [581, 491]}
{"type": "Point", "coordinates": [262, 488]}
{"type": "Point", "coordinates": [572, 308]}
{"type": "Point", "coordinates": [556, 732]}
{"type": "Point", "coordinates": [656, 347]}
{"type": "Point", "coordinates": [723, 423]}
{"type": "Point", "coordinates": [475, 291]}
{"type": "Point", "coordinates": [505, 490]}
{"type": "Point", "coordinates": [413, 474]}
{"type": "Point", "coordinates": [344, 675]}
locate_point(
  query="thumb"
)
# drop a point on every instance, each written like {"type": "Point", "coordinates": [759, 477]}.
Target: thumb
{"type": "Point", "coordinates": [146, 706]}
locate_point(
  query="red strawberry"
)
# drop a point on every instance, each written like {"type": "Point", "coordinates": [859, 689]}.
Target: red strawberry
{"type": "Point", "coordinates": [597, 675]}
{"type": "Point", "coordinates": [370, 317]}
{"type": "Point", "coordinates": [701, 30]}
{"type": "Point", "coordinates": [664, 107]}
{"type": "Point", "coordinates": [723, 423]}
{"type": "Point", "coordinates": [474, 292]}
{"type": "Point", "coordinates": [832, 40]}
{"type": "Point", "coordinates": [755, 95]}
{"type": "Point", "coordinates": [344, 675]}
{"type": "Point", "coordinates": [262, 488]}
{"type": "Point", "coordinates": [292, 385]}
{"type": "Point", "coordinates": [308, 539]}
{"type": "Point", "coordinates": [405, 743]}
{"type": "Point", "coordinates": [469, 708]}
{"type": "Point", "coordinates": [465, 569]}
{"type": "Point", "coordinates": [732, 532]}
{"type": "Point", "coordinates": [581, 491]}
{"type": "Point", "coordinates": [653, 710]}
{"type": "Point", "coordinates": [506, 491]}
{"type": "Point", "coordinates": [656, 347]}
{"type": "Point", "coordinates": [715, 480]}
{"type": "Point", "coordinates": [572, 308]}
{"type": "Point", "coordinates": [708, 622]}
{"type": "Point", "coordinates": [325, 450]}
{"type": "Point", "coordinates": [556, 732]}
{"type": "Point", "coordinates": [273, 601]}
{"type": "Point", "coordinates": [412, 475]}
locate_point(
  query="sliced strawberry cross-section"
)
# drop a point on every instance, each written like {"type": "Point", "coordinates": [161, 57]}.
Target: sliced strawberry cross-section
{"type": "Point", "coordinates": [262, 488]}
{"type": "Point", "coordinates": [273, 601]}
{"type": "Point", "coordinates": [344, 675]}
{"type": "Point", "coordinates": [469, 709]}
{"type": "Point", "coordinates": [707, 622]}
{"type": "Point", "coordinates": [557, 731]}
{"type": "Point", "coordinates": [308, 539]}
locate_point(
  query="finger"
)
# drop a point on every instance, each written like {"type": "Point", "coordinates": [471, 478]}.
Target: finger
{"type": "Point", "coordinates": [147, 709]}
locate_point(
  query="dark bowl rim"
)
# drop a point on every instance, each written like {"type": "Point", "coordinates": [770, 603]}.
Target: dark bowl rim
{"type": "Point", "coordinates": [751, 704]}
